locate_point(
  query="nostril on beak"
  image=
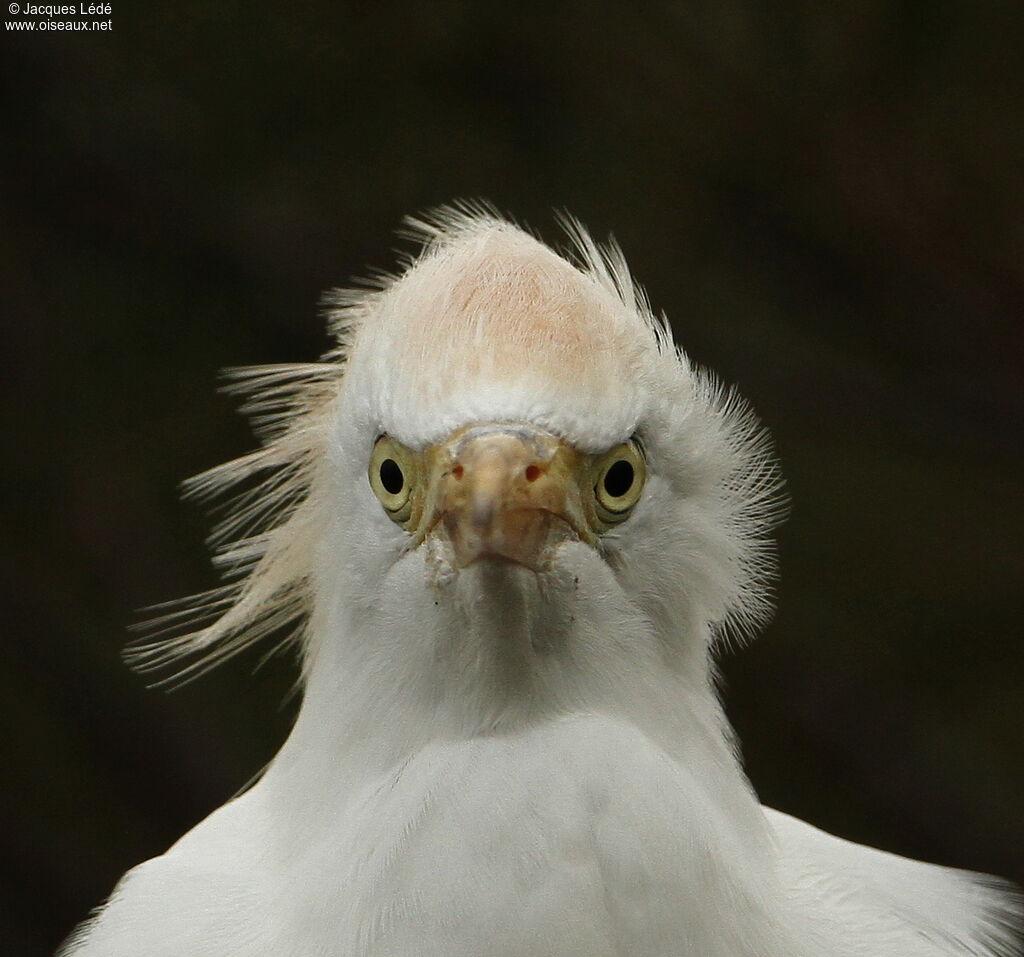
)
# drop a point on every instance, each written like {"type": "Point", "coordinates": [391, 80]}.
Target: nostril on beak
{"type": "Point", "coordinates": [532, 473]}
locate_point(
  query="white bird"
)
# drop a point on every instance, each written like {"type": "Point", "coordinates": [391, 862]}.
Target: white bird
{"type": "Point", "coordinates": [509, 523]}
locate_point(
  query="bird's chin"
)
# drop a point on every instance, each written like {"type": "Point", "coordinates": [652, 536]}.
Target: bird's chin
{"type": "Point", "coordinates": [495, 577]}
{"type": "Point", "coordinates": [447, 565]}
{"type": "Point", "coordinates": [493, 564]}
{"type": "Point", "coordinates": [504, 604]}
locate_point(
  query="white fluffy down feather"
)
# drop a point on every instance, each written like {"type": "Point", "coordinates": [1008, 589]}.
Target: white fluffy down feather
{"type": "Point", "coordinates": [509, 741]}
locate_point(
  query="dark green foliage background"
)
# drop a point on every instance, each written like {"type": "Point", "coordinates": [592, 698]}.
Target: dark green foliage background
{"type": "Point", "coordinates": [827, 200]}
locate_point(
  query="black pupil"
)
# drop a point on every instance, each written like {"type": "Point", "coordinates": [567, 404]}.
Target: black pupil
{"type": "Point", "coordinates": [391, 476]}
{"type": "Point", "coordinates": [619, 479]}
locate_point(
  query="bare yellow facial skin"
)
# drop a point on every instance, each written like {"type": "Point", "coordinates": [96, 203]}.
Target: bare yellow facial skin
{"type": "Point", "coordinates": [506, 491]}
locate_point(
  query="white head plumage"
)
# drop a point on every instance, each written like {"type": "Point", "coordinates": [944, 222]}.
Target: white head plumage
{"type": "Point", "coordinates": [487, 324]}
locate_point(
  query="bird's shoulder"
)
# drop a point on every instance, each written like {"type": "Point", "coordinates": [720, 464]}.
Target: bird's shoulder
{"type": "Point", "coordinates": [881, 905]}
{"type": "Point", "coordinates": [202, 897]}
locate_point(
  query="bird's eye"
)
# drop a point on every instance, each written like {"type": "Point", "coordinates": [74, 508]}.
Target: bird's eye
{"type": "Point", "coordinates": [393, 474]}
{"type": "Point", "coordinates": [620, 477]}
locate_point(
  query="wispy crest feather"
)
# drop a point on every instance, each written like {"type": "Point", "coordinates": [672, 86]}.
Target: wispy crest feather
{"type": "Point", "coordinates": [263, 543]}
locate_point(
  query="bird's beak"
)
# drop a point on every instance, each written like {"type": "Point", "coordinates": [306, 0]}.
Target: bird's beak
{"type": "Point", "coordinates": [506, 492]}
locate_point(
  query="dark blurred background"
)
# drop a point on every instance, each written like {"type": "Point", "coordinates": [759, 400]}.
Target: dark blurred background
{"type": "Point", "coordinates": [829, 204]}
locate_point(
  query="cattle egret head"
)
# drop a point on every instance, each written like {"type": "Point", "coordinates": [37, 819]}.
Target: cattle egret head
{"type": "Point", "coordinates": [506, 472]}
